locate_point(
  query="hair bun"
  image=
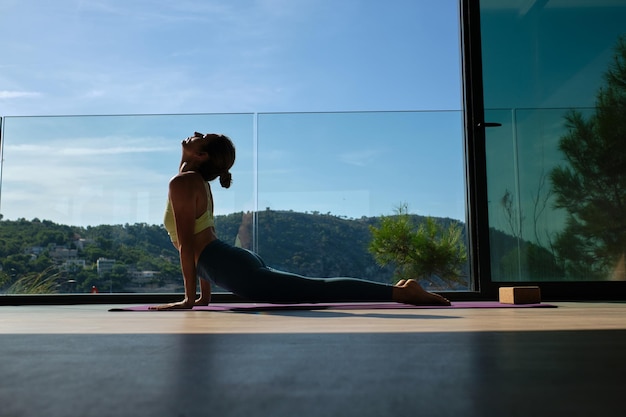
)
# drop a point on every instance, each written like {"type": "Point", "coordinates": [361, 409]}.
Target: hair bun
{"type": "Point", "coordinates": [226, 179]}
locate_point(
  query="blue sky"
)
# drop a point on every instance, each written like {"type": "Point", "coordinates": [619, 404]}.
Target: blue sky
{"type": "Point", "coordinates": [355, 68]}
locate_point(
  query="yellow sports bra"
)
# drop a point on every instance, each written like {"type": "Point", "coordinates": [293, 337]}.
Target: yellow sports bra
{"type": "Point", "coordinates": [203, 222]}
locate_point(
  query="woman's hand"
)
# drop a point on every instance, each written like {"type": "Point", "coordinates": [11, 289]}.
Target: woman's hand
{"type": "Point", "coordinates": [186, 304]}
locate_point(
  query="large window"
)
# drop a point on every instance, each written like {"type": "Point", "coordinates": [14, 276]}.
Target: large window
{"type": "Point", "coordinates": [83, 196]}
{"type": "Point", "coordinates": [555, 166]}
{"type": "Point", "coordinates": [341, 112]}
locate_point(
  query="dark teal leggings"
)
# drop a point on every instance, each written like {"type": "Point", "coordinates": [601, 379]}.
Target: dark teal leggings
{"type": "Point", "coordinates": [245, 274]}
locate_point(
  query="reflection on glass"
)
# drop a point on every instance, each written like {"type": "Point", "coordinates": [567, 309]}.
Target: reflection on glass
{"type": "Point", "coordinates": [555, 195]}
{"type": "Point", "coordinates": [554, 179]}
{"type": "Point", "coordinates": [524, 220]}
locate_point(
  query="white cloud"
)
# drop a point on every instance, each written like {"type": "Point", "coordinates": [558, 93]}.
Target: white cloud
{"type": "Point", "coordinates": [4, 94]}
{"type": "Point", "coordinates": [117, 150]}
{"type": "Point", "coordinates": [26, 148]}
{"type": "Point", "coordinates": [360, 157]}
{"type": "Point", "coordinates": [99, 149]}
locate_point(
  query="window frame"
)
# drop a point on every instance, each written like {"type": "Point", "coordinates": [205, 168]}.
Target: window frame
{"type": "Point", "coordinates": [478, 222]}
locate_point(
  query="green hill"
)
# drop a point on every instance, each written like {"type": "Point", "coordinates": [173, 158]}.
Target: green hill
{"type": "Point", "coordinates": [311, 244]}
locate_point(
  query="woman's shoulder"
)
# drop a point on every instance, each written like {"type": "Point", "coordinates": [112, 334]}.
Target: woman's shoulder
{"type": "Point", "coordinates": [187, 177]}
{"type": "Point", "coordinates": [187, 180]}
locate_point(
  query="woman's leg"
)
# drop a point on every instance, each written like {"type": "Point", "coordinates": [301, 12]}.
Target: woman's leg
{"type": "Point", "coordinates": [245, 274]}
{"type": "Point", "coordinates": [284, 287]}
{"type": "Point", "coordinates": [275, 286]}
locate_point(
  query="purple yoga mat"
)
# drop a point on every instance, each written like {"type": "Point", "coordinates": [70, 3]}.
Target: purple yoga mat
{"type": "Point", "coordinates": [338, 306]}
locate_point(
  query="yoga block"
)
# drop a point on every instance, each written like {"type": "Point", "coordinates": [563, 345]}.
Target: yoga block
{"type": "Point", "coordinates": [520, 295]}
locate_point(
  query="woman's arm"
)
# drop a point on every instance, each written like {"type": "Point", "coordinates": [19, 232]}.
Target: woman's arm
{"type": "Point", "coordinates": [183, 194]}
{"type": "Point", "coordinates": [205, 293]}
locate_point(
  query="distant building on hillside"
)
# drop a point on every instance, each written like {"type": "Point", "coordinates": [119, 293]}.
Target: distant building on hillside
{"type": "Point", "coordinates": [81, 243]}
{"type": "Point", "coordinates": [34, 251]}
{"type": "Point", "coordinates": [143, 277]}
{"type": "Point", "coordinates": [61, 254]}
{"type": "Point", "coordinates": [105, 265]}
{"type": "Point", "coordinates": [73, 265]}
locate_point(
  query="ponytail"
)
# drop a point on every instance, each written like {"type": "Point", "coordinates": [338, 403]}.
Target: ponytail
{"type": "Point", "coordinates": [226, 179]}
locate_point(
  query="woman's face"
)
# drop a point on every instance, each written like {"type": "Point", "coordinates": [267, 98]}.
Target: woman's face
{"type": "Point", "coordinates": [195, 151]}
{"type": "Point", "coordinates": [193, 143]}
{"type": "Point", "coordinates": [194, 146]}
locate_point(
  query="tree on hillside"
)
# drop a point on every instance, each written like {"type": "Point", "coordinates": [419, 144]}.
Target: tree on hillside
{"type": "Point", "coordinates": [429, 251]}
{"type": "Point", "coordinates": [591, 185]}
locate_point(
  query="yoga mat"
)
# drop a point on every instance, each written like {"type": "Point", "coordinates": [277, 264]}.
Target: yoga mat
{"type": "Point", "coordinates": [243, 307]}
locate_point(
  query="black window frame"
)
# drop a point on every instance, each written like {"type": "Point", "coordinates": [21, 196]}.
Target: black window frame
{"type": "Point", "coordinates": [477, 206]}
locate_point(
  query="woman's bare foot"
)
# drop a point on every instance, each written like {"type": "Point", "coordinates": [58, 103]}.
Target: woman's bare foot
{"type": "Point", "coordinates": [202, 302]}
{"type": "Point", "coordinates": [411, 292]}
{"type": "Point", "coordinates": [400, 283]}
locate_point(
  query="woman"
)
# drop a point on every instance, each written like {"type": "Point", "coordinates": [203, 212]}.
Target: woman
{"type": "Point", "coordinates": [189, 222]}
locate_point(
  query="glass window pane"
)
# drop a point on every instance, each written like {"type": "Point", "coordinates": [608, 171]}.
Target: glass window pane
{"type": "Point", "coordinates": [555, 167]}
{"type": "Point", "coordinates": [96, 188]}
{"type": "Point", "coordinates": [92, 208]}
{"type": "Point", "coordinates": [386, 58]}
{"type": "Point", "coordinates": [340, 172]}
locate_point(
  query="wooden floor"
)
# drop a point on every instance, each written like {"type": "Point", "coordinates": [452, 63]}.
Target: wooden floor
{"type": "Point", "coordinates": [86, 361]}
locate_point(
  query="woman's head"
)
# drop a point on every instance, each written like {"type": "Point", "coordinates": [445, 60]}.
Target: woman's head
{"type": "Point", "coordinates": [219, 158]}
